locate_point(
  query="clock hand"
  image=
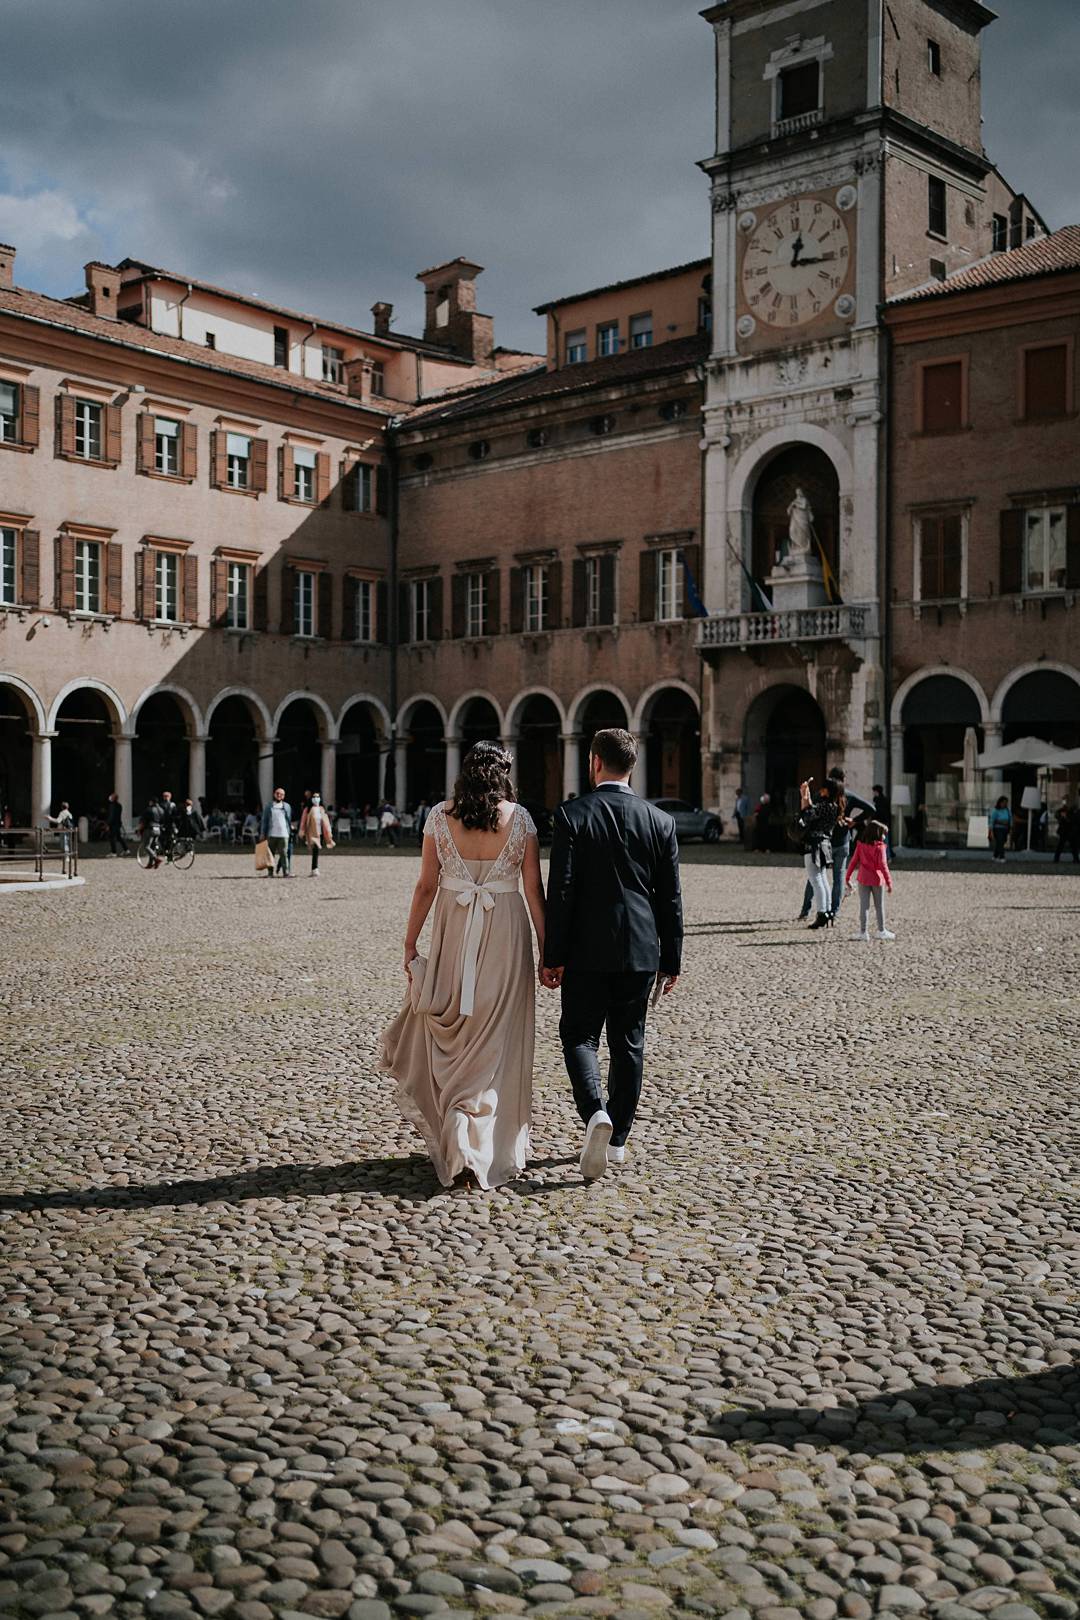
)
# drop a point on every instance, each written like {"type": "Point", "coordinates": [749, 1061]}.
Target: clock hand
{"type": "Point", "coordinates": [798, 247]}
{"type": "Point", "coordinates": [824, 258]}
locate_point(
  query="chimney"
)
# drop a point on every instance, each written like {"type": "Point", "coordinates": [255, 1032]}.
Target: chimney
{"type": "Point", "coordinates": [7, 265]}
{"type": "Point", "coordinates": [451, 320]}
{"type": "Point", "coordinates": [103, 285]}
{"type": "Point", "coordinates": [382, 315]}
{"type": "Point", "coordinates": [358, 378]}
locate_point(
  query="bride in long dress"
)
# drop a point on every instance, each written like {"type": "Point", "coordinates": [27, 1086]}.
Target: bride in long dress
{"type": "Point", "coordinates": [461, 1048]}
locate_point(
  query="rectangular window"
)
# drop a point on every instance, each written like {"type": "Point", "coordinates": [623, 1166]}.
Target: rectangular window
{"type": "Point", "coordinates": [535, 585]}
{"type": "Point", "coordinates": [238, 460]}
{"type": "Point", "coordinates": [704, 314]}
{"type": "Point", "coordinates": [304, 474]}
{"type": "Point", "coordinates": [1046, 381]}
{"type": "Point", "coordinates": [8, 593]}
{"type": "Point", "coordinates": [669, 585]}
{"type": "Point", "coordinates": [577, 348]}
{"type": "Point", "coordinates": [607, 338]}
{"type": "Point", "coordinates": [938, 207]}
{"type": "Point", "coordinates": [87, 576]}
{"type": "Point", "coordinates": [9, 412]}
{"type": "Point", "coordinates": [1000, 240]}
{"type": "Point", "coordinates": [941, 555]}
{"type": "Point", "coordinates": [421, 610]}
{"type": "Point", "coordinates": [167, 586]}
{"type": "Point", "coordinates": [238, 587]}
{"type": "Point", "coordinates": [281, 346]}
{"type": "Point", "coordinates": [592, 591]}
{"type": "Point", "coordinates": [933, 53]}
{"type": "Point", "coordinates": [1045, 549]}
{"type": "Point", "coordinates": [304, 604]}
{"type": "Point", "coordinates": [364, 628]}
{"type": "Point", "coordinates": [800, 90]}
{"type": "Point", "coordinates": [87, 430]}
{"type": "Point", "coordinates": [333, 364]}
{"type": "Point", "coordinates": [166, 446]}
{"type": "Point", "coordinates": [476, 605]}
{"type": "Point", "coordinates": [362, 477]}
{"type": "Point", "coordinates": [378, 380]}
{"type": "Point", "coordinates": [943, 397]}
{"type": "Point", "coordinates": [211, 340]}
{"type": "Point", "coordinates": [641, 331]}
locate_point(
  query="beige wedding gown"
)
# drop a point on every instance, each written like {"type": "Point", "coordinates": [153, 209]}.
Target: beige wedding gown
{"type": "Point", "coordinates": [461, 1048]}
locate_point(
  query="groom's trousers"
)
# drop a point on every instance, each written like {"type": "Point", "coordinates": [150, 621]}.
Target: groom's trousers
{"type": "Point", "coordinates": [621, 1002]}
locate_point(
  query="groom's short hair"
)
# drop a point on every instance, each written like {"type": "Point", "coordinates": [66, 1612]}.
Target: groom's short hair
{"type": "Point", "coordinates": [615, 749]}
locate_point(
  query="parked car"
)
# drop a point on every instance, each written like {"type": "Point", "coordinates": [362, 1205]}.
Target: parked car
{"type": "Point", "coordinates": [690, 822]}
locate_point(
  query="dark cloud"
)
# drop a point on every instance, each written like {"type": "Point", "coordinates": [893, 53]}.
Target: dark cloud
{"type": "Point", "coordinates": [322, 153]}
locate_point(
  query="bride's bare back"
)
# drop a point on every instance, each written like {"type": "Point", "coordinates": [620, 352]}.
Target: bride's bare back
{"type": "Point", "coordinates": [476, 844]}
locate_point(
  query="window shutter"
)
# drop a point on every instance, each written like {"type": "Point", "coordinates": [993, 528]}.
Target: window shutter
{"type": "Point", "coordinates": [190, 575]}
{"type": "Point", "coordinates": [286, 473]}
{"type": "Point", "coordinates": [1011, 577]}
{"type": "Point", "coordinates": [555, 595]}
{"type": "Point", "coordinates": [517, 600]}
{"type": "Point", "coordinates": [348, 486]}
{"type": "Point", "coordinates": [1046, 385]}
{"type": "Point", "coordinates": [111, 424]}
{"type": "Point", "coordinates": [29, 415]}
{"type": "Point", "coordinates": [404, 617]}
{"type": "Point", "coordinates": [691, 556]}
{"type": "Point", "coordinates": [350, 591]}
{"type": "Point", "coordinates": [325, 624]}
{"type": "Point", "coordinates": [1072, 549]}
{"type": "Point", "coordinates": [943, 397]}
{"type": "Point", "coordinates": [219, 466]}
{"type": "Point", "coordinates": [258, 465]}
{"type": "Point", "coordinates": [579, 589]}
{"type": "Point", "coordinates": [435, 603]}
{"type": "Point", "coordinates": [288, 601]}
{"type": "Point", "coordinates": [607, 589]}
{"type": "Point", "coordinates": [144, 442]}
{"type": "Point", "coordinates": [30, 567]}
{"type": "Point", "coordinates": [952, 555]}
{"type": "Point", "coordinates": [189, 449]}
{"type": "Point", "coordinates": [459, 584]}
{"type": "Point", "coordinates": [647, 587]}
{"type": "Point", "coordinates": [65, 573]}
{"type": "Point", "coordinates": [322, 478]}
{"type": "Point", "coordinates": [929, 559]}
{"type": "Point", "coordinates": [65, 426]}
{"type": "Point", "coordinates": [260, 599]}
{"type": "Point", "coordinates": [148, 587]}
{"type": "Point", "coordinates": [114, 582]}
{"type": "Point", "coordinates": [382, 491]}
{"type": "Point", "coordinates": [493, 615]}
{"type": "Point", "coordinates": [382, 612]}
{"type": "Point", "coordinates": [219, 590]}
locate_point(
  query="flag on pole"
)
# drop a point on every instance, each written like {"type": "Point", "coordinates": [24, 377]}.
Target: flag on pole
{"type": "Point", "coordinates": [832, 589]}
{"type": "Point", "coordinates": [693, 595]}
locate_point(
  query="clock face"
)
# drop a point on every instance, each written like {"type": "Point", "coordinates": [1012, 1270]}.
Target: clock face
{"type": "Point", "coordinates": [795, 263]}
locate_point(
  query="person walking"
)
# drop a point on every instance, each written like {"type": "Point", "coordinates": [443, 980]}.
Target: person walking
{"type": "Point", "coordinates": [170, 822]}
{"type": "Point", "coordinates": [1068, 831]}
{"type": "Point", "coordinates": [614, 932]}
{"type": "Point", "coordinates": [190, 823]}
{"type": "Point", "coordinates": [388, 822]}
{"type": "Point", "coordinates": [1000, 826]}
{"type": "Point", "coordinates": [316, 830]}
{"type": "Point", "coordinates": [276, 828]}
{"type": "Point", "coordinates": [869, 865]}
{"type": "Point", "coordinates": [817, 821]}
{"type": "Point", "coordinates": [63, 821]}
{"type": "Point", "coordinates": [114, 815]}
{"type": "Point", "coordinates": [742, 811]}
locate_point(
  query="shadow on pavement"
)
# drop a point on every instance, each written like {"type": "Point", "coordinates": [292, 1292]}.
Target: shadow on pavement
{"type": "Point", "coordinates": [1042, 1408]}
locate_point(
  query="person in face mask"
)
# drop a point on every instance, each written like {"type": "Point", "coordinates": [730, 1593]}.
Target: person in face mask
{"type": "Point", "coordinates": [315, 830]}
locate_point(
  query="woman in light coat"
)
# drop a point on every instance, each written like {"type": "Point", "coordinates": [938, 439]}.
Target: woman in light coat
{"type": "Point", "coordinates": [315, 831]}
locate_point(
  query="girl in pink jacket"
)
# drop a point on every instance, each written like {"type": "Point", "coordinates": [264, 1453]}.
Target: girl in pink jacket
{"type": "Point", "coordinates": [870, 865]}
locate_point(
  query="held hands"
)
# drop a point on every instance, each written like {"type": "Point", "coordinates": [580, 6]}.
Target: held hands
{"type": "Point", "coordinates": [551, 978]}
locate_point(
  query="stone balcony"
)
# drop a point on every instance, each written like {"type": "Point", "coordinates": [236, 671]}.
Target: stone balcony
{"type": "Point", "coordinates": [849, 621]}
{"type": "Point", "coordinates": [801, 122]}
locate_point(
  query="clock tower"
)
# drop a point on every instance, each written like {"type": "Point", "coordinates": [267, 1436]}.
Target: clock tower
{"type": "Point", "coordinates": [849, 167]}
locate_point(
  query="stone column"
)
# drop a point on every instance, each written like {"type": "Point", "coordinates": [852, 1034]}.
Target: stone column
{"type": "Point", "coordinates": [266, 771]}
{"type": "Point", "coordinates": [401, 771]}
{"type": "Point", "coordinates": [639, 780]}
{"type": "Point", "coordinates": [328, 773]}
{"type": "Point", "coordinates": [196, 768]}
{"type": "Point", "coordinates": [571, 763]}
{"type": "Point", "coordinates": [122, 778]}
{"type": "Point", "coordinates": [453, 764]}
{"type": "Point", "coordinates": [384, 763]}
{"type": "Point", "coordinates": [41, 777]}
{"type": "Point", "coordinates": [510, 744]}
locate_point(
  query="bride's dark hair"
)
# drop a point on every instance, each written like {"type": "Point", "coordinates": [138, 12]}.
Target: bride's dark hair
{"type": "Point", "coordinates": [483, 784]}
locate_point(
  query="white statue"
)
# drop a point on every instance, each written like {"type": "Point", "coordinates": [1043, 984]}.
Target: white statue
{"type": "Point", "coordinates": [800, 520]}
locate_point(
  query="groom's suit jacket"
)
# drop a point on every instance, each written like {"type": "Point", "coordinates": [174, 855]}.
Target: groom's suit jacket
{"type": "Point", "coordinates": [614, 903]}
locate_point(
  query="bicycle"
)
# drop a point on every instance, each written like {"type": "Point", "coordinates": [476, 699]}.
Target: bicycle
{"type": "Point", "coordinates": [181, 852]}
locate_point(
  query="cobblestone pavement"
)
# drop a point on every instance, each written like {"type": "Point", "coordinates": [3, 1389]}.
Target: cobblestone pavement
{"type": "Point", "coordinates": [811, 1353]}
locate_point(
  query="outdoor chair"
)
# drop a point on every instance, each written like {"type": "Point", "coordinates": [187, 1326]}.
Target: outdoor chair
{"type": "Point", "coordinates": [344, 829]}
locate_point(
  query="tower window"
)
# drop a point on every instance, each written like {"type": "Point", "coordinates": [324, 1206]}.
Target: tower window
{"type": "Point", "coordinates": [1001, 233]}
{"type": "Point", "coordinates": [800, 90]}
{"type": "Point", "coordinates": [938, 212]}
{"type": "Point", "coordinates": [933, 51]}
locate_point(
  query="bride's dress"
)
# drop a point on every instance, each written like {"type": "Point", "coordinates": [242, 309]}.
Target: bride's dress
{"type": "Point", "coordinates": [461, 1048]}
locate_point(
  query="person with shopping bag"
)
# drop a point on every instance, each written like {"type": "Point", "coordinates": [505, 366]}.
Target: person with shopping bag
{"type": "Point", "coordinates": [276, 832]}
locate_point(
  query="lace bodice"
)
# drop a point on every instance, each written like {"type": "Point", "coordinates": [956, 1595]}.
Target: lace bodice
{"type": "Point", "coordinates": [507, 863]}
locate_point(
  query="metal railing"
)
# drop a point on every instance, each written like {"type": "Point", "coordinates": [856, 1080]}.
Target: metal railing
{"type": "Point", "coordinates": [848, 621]}
{"type": "Point", "coordinates": [38, 845]}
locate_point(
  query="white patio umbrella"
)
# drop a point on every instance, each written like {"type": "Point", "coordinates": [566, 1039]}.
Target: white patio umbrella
{"type": "Point", "coordinates": [1028, 751]}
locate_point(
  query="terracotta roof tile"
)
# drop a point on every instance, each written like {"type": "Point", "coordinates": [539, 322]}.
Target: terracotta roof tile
{"type": "Point", "coordinates": [1047, 255]}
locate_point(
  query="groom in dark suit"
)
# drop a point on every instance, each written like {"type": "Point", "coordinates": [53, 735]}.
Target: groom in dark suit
{"type": "Point", "coordinates": [614, 924]}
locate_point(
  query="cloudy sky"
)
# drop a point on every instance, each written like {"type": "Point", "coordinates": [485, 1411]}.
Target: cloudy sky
{"type": "Point", "coordinates": [321, 152]}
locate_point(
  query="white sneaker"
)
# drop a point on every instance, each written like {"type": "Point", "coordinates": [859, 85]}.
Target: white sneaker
{"type": "Point", "coordinates": [616, 1155]}
{"type": "Point", "coordinates": [861, 935]}
{"type": "Point", "coordinates": [886, 933]}
{"type": "Point", "coordinates": [315, 873]}
{"type": "Point", "coordinates": [593, 1160]}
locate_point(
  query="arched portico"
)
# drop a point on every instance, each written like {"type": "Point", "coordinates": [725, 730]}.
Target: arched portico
{"type": "Point", "coordinates": [22, 722]}
{"type": "Point", "coordinates": [363, 741]}
{"type": "Point", "coordinates": [597, 708]}
{"type": "Point", "coordinates": [1001, 699]}
{"type": "Point", "coordinates": [783, 744]}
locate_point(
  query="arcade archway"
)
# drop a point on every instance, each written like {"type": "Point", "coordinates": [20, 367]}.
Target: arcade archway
{"type": "Point", "coordinates": [16, 755]}
{"type": "Point", "coordinates": [673, 746]}
{"type": "Point", "coordinates": [599, 711]}
{"type": "Point", "coordinates": [784, 743]}
{"type": "Point", "coordinates": [425, 755]}
{"type": "Point", "coordinates": [298, 751]}
{"type": "Point", "coordinates": [358, 758]}
{"type": "Point", "coordinates": [479, 722]}
{"type": "Point", "coordinates": [82, 752]}
{"type": "Point", "coordinates": [232, 757]}
{"type": "Point", "coordinates": [539, 773]}
{"type": "Point", "coordinates": [159, 750]}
